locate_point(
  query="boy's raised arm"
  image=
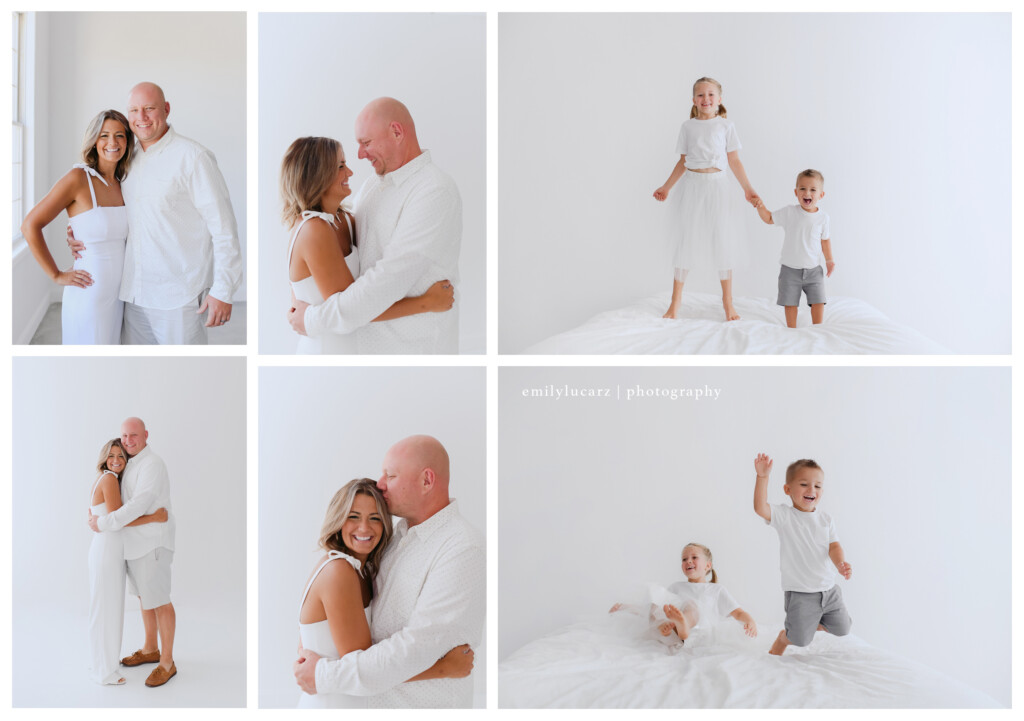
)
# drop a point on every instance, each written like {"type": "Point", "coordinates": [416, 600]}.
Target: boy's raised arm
{"type": "Point", "coordinates": [763, 468]}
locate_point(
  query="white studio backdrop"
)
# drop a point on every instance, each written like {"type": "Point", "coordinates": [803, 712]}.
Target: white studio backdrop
{"type": "Point", "coordinates": [319, 429]}
{"type": "Point", "coordinates": [89, 61]}
{"type": "Point", "coordinates": [317, 71]}
{"type": "Point", "coordinates": [598, 496]}
{"type": "Point", "coordinates": [65, 410]}
{"type": "Point", "coordinates": [907, 116]}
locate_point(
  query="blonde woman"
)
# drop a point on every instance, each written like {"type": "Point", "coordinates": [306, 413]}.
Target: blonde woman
{"type": "Point", "coordinates": [107, 568]}
{"type": "Point", "coordinates": [90, 193]}
{"type": "Point", "coordinates": [334, 614]}
{"type": "Point", "coordinates": [323, 254]}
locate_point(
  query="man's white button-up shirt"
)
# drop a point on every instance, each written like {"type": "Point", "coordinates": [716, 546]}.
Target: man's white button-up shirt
{"type": "Point", "coordinates": [182, 235]}
{"type": "Point", "coordinates": [409, 231]}
{"type": "Point", "coordinates": [145, 487]}
{"type": "Point", "coordinates": [431, 598]}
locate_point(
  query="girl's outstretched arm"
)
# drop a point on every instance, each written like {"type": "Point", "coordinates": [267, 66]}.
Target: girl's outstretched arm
{"type": "Point", "coordinates": [741, 175]}
{"type": "Point", "coordinates": [677, 172]}
{"type": "Point", "coordinates": [749, 627]}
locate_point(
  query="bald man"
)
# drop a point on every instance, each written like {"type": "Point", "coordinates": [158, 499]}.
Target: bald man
{"type": "Point", "coordinates": [429, 595]}
{"type": "Point", "coordinates": [183, 260]}
{"type": "Point", "coordinates": [409, 228]}
{"type": "Point", "coordinates": [148, 549]}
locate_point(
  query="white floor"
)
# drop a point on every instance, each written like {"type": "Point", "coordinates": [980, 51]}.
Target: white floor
{"type": "Point", "coordinates": [49, 330]}
{"type": "Point", "coordinates": [51, 664]}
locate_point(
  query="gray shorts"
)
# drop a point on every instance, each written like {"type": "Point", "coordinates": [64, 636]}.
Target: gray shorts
{"type": "Point", "coordinates": [151, 326]}
{"type": "Point", "coordinates": [149, 578]}
{"type": "Point", "coordinates": [804, 611]}
{"type": "Point", "coordinates": [794, 280]}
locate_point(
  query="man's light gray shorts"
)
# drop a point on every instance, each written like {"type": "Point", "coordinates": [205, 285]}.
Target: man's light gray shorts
{"type": "Point", "coordinates": [794, 280]}
{"type": "Point", "coordinates": [149, 578]}
{"type": "Point", "coordinates": [804, 611]}
{"type": "Point", "coordinates": [151, 326]}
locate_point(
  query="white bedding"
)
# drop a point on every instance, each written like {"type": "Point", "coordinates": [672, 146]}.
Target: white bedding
{"type": "Point", "coordinates": [851, 327]}
{"type": "Point", "coordinates": [593, 665]}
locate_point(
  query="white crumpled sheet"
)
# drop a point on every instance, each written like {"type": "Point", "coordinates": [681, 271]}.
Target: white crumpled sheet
{"type": "Point", "coordinates": [603, 663]}
{"type": "Point", "coordinates": [851, 327]}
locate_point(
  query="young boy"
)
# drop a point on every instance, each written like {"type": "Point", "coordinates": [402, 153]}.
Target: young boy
{"type": "Point", "coordinates": [806, 226]}
{"type": "Point", "coordinates": [808, 551]}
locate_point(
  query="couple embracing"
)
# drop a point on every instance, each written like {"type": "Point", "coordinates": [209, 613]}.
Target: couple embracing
{"type": "Point", "coordinates": [130, 512]}
{"type": "Point", "coordinates": [157, 256]}
{"type": "Point", "coordinates": [388, 614]}
{"type": "Point", "coordinates": [380, 279]}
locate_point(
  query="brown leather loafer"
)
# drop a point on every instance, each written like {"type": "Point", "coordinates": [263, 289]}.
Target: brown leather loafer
{"type": "Point", "coordinates": [140, 657]}
{"type": "Point", "coordinates": [159, 676]}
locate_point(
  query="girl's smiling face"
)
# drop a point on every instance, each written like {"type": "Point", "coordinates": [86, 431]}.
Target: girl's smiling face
{"type": "Point", "coordinates": [696, 565]}
{"type": "Point", "coordinates": [706, 99]}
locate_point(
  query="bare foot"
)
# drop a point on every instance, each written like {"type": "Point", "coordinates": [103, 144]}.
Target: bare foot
{"type": "Point", "coordinates": [730, 311]}
{"type": "Point", "coordinates": [666, 628]}
{"type": "Point", "coordinates": [780, 644]}
{"type": "Point", "coordinates": [678, 620]}
{"type": "Point", "coordinates": [672, 312]}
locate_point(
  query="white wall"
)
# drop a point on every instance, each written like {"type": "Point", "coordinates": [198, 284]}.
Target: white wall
{"type": "Point", "coordinates": [317, 71]}
{"type": "Point", "coordinates": [598, 496]}
{"type": "Point", "coordinates": [65, 409]}
{"type": "Point", "coordinates": [319, 429]}
{"type": "Point", "coordinates": [907, 116]}
{"type": "Point", "coordinates": [94, 59]}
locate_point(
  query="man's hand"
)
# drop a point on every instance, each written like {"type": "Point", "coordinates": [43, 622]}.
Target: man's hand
{"type": "Point", "coordinates": [76, 246]}
{"type": "Point", "coordinates": [457, 663]}
{"type": "Point", "coordinates": [93, 522]}
{"type": "Point", "coordinates": [845, 570]}
{"type": "Point", "coordinates": [220, 312]}
{"type": "Point", "coordinates": [305, 671]}
{"type": "Point", "coordinates": [297, 317]}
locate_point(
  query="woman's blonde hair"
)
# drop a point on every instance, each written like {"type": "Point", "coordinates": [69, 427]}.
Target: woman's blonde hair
{"type": "Point", "coordinates": [101, 465]}
{"type": "Point", "coordinates": [721, 108]}
{"type": "Point", "coordinates": [92, 134]}
{"type": "Point", "coordinates": [307, 171]}
{"type": "Point", "coordinates": [338, 510]}
{"type": "Point", "coordinates": [707, 554]}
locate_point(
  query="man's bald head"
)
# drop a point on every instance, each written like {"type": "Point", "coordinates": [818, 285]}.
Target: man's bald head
{"type": "Point", "coordinates": [386, 135]}
{"type": "Point", "coordinates": [134, 435]}
{"type": "Point", "coordinates": [415, 478]}
{"type": "Point", "coordinates": [147, 113]}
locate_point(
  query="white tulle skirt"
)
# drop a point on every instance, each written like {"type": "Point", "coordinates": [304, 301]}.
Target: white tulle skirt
{"type": "Point", "coordinates": [705, 223]}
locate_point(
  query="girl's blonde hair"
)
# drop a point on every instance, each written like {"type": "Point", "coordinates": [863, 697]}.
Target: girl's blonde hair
{"type": "Point", "coordinates": [337, 512]}
{"type": "Point", "coordinates": [92, 135]}
{"type": "Point", "coordinates": [101, 465]}
{"type": "Point", "coordinates": [307, 171]}
{"type": "Point", "coordinates": [721, 108]}
{"type": "Point", "coordinates": [707, 554]}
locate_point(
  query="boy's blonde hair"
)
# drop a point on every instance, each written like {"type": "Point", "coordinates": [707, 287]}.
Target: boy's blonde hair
{"type": "Point", "coordinates": [707, 554]}
{"type": "Point", "coordinates": [797, 465]}
{"type": "Point", "coordinates": [721, 108]}
{"type": "Point", "coordinates": [811, 173]}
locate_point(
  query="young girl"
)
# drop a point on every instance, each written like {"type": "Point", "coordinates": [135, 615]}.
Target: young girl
{"type": "Point", "coordinates": [700, 602]}
{"type": "Point", "coordinates": [708, 225]}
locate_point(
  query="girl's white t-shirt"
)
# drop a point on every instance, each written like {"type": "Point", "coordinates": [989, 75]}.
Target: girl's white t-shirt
{"type": "Point", "coordinates": [712, 599]}
{"type": "Point", "coordinates": [706, 143]}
